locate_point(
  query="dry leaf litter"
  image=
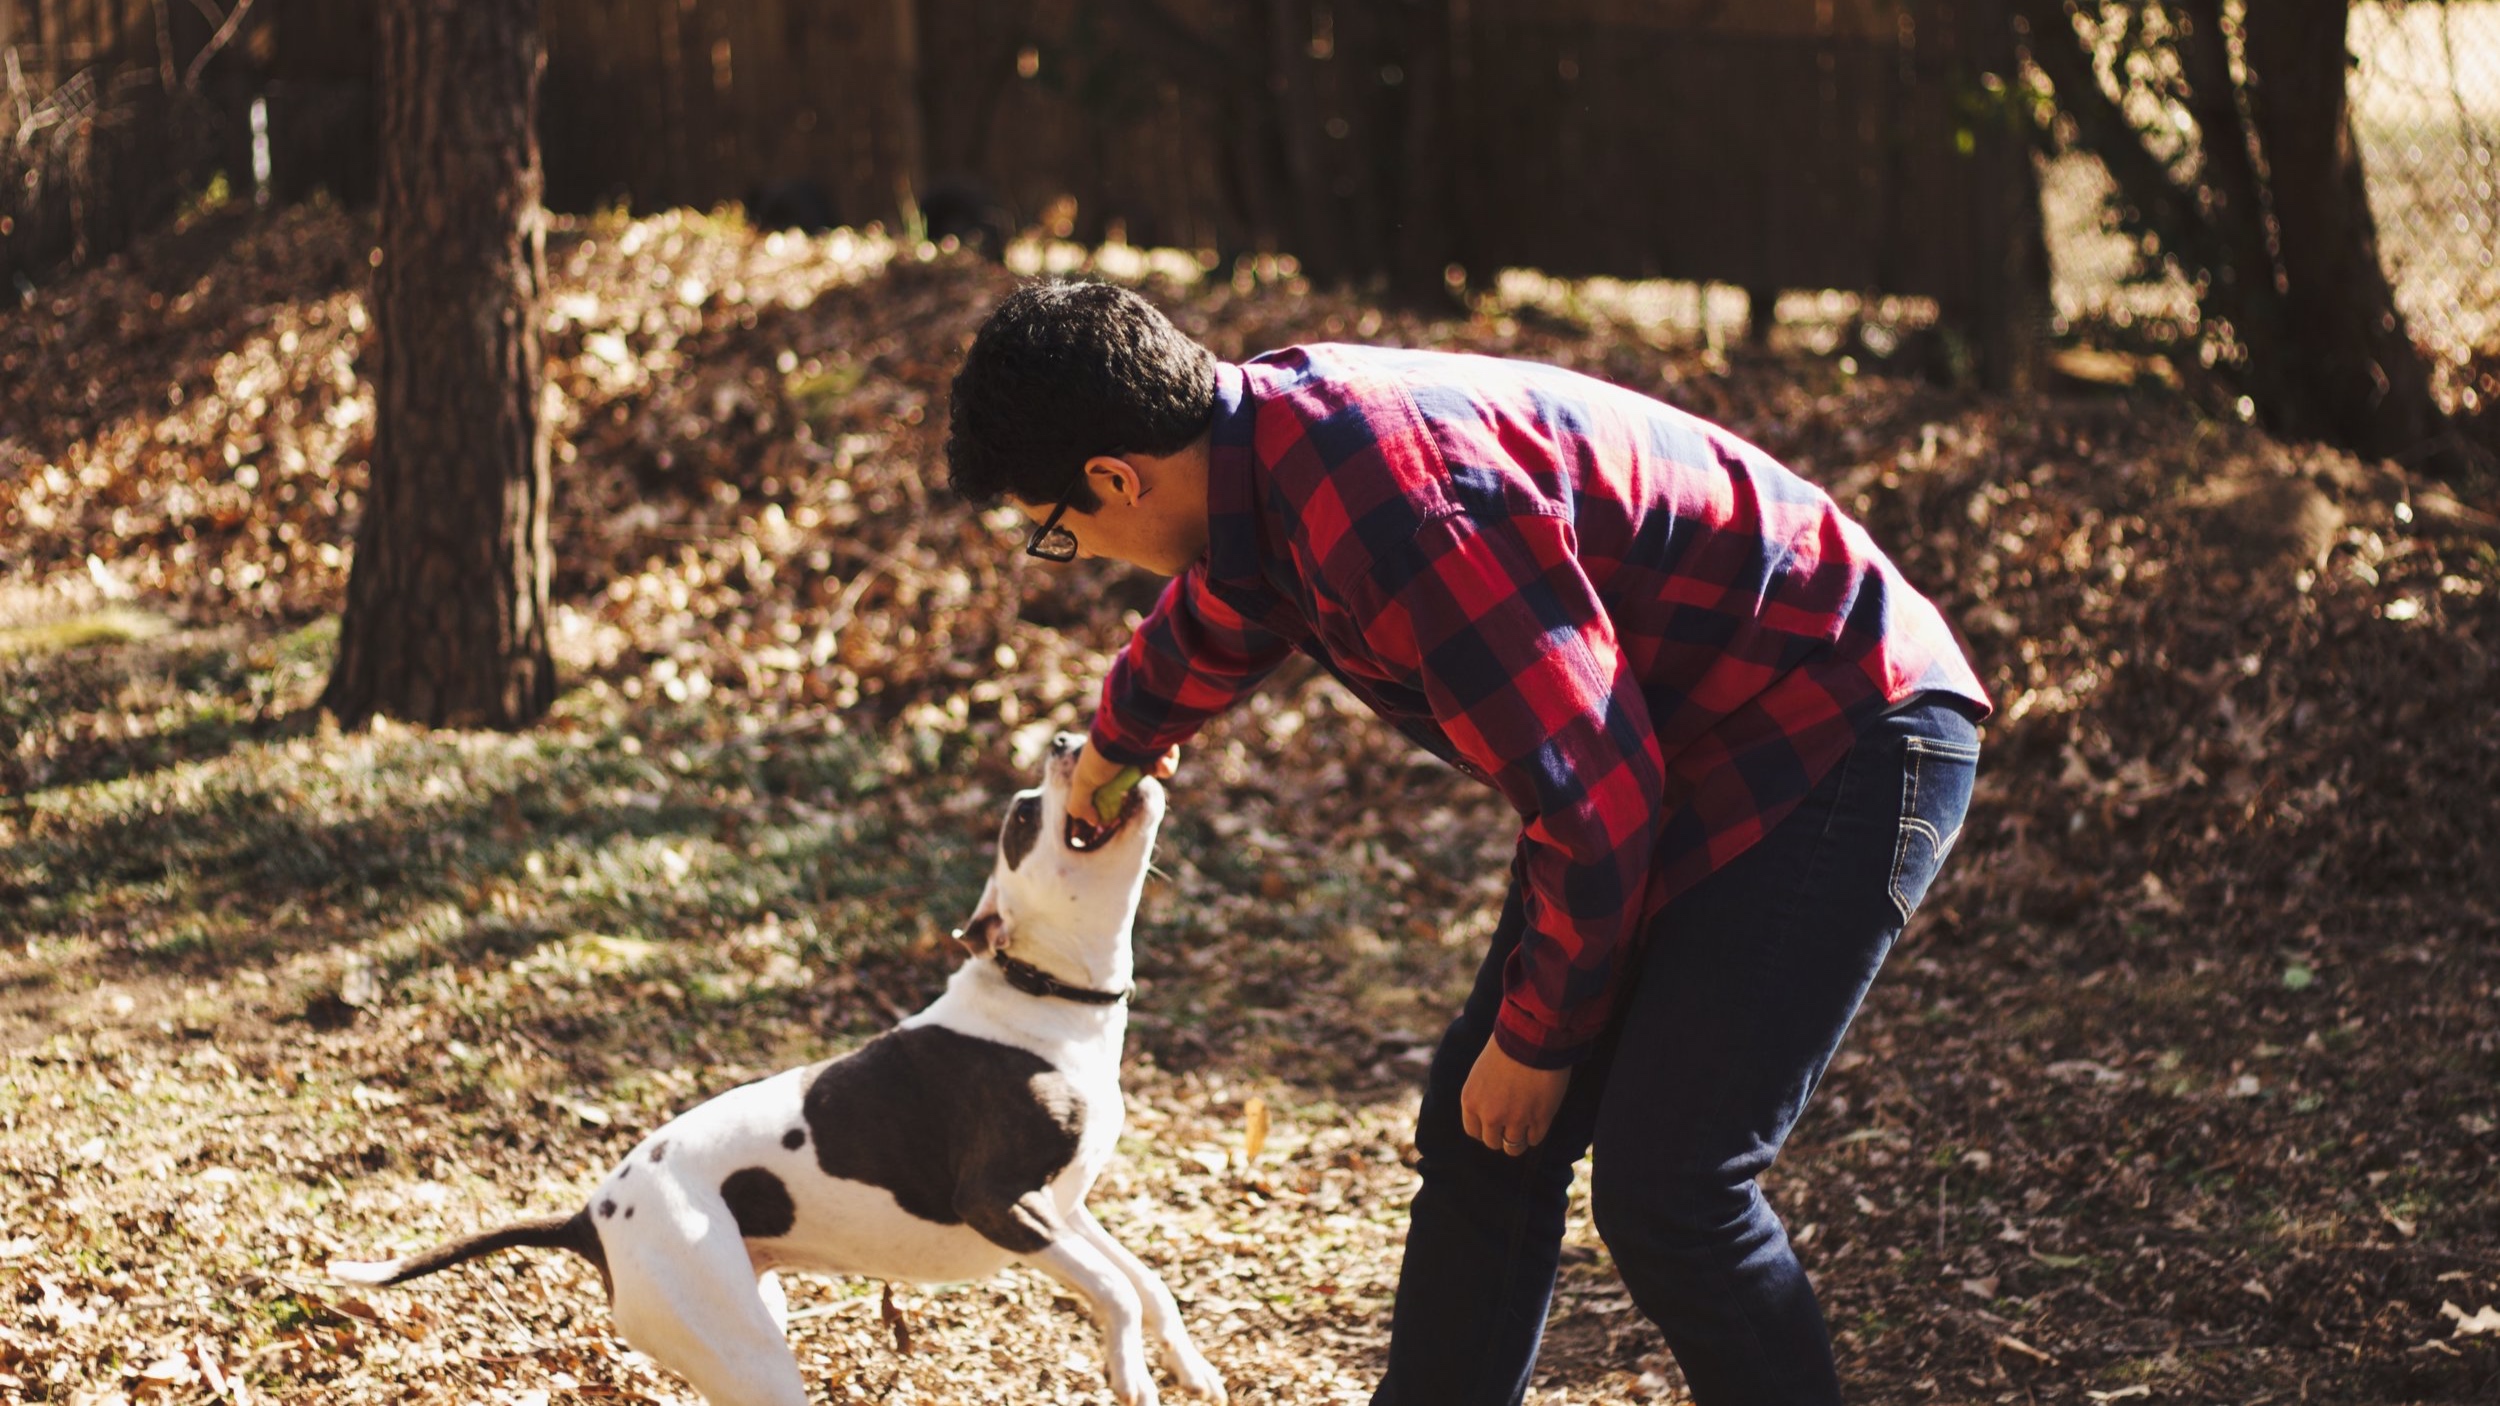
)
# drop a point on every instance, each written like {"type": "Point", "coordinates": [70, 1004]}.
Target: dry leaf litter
{"type": "Point", "coordinates": [2181, 1088]}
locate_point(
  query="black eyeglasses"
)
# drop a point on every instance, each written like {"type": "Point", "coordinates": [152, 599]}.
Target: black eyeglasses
{"type": "Point", "coordinates": [1050, 541]}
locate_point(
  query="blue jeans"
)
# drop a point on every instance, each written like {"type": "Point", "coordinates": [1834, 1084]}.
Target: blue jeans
{"type": "Point", "coordinates": [1745, 985]}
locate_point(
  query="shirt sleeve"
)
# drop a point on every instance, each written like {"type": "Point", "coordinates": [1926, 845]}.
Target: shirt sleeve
{"type": "Point", "coordinates": [1192, 658]}
{"type": "Point", "coordinates": [1523, 671]}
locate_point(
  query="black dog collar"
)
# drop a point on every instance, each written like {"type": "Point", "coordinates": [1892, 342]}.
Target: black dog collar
{"type": "Point", "coordinates": [1033, 981]}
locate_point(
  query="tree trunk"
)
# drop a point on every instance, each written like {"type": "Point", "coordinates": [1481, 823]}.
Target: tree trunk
{"type": "Point", "coordinates": [447, 602]}
{"type": "Point", "coordinates": [2362, 382]}
{"type": "Point", "coordinates": [2010, 308]}
{"type": "Point", "coordinates": [2275, 226]}
{"type": "Point", "coordinates": [2247, 291]}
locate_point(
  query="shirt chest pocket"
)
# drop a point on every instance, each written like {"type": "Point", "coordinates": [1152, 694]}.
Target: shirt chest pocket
{"type": "Point", "coordinates": [1363, 637]}
{"type": "Point", "coordinates": [1352, 653]}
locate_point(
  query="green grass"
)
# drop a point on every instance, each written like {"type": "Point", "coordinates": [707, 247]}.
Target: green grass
{"type": "Point", "coordinates": [116, 626]}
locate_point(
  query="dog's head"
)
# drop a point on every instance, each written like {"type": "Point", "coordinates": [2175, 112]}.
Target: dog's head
{"type": "Point", "coordinates": [1060, 897]}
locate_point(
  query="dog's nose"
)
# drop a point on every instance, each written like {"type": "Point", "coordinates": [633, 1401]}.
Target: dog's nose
{"type": "Point", "coordinates": [1066, 744]}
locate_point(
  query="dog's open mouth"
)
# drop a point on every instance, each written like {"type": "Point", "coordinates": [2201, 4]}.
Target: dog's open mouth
{"type": "Point", "coordinates": [1085, 836]}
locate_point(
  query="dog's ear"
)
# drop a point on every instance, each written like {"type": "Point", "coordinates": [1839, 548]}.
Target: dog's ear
{"type": "Point", "coordinates": [980, 936]}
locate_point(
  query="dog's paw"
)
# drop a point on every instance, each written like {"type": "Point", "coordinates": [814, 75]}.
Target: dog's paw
{"type": "Point", "coordinates": [1191, 1369]}
{"type": "Point", "coordinates": [1131, 1383]}
{"type": "Point", "coordinates": [1194, 1373]}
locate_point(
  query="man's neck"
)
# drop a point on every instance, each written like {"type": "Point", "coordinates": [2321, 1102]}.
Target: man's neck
{"type": "Point", "coordinates": [1174, 505]}
{"type": "Point", "coordinates": [1192, 467]}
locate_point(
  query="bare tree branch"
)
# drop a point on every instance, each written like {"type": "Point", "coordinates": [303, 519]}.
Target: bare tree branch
{"type": "Point", "coordinates": [2251, 285]}
{"type": "Point", "coordinates": [164, 48]}
{"type": "Point", "coordinates": [2163, 206]}
{"type": "Point", "coordinates": [217, 41]}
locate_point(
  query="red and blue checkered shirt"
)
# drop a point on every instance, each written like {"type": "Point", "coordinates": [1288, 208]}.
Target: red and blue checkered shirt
{"type": "Point", "coordinates": [1649, 636]}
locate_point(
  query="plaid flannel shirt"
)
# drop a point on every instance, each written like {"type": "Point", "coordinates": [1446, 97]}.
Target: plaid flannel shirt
{"type": "Point", "coordinates": [1650, 637]}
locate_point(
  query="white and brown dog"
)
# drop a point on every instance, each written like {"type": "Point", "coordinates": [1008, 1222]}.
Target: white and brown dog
{"type": "Point", "coordinates": [960, 1141]}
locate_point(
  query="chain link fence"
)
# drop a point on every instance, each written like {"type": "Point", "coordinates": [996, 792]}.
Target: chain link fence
{"type": "Point", "coordinates": [2426, 102]}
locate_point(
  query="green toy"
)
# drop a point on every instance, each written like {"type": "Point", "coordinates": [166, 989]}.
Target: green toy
{"type": "Point", "coordinates": [1113, 794]}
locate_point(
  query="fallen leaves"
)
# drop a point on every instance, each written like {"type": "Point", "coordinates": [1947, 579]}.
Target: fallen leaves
{"type": "Point", "coordinates": [2189, 1044]}
{"type": "Point", "coordinates": [2014, 1344]}
{"type": "Point", "coordinates": [896, 1321]}
{"type": "Point", "coordinates": [2483, 1320]}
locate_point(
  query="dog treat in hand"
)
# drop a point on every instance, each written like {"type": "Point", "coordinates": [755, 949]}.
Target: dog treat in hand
{"type": "Point", "coordinates": [1113, 794]}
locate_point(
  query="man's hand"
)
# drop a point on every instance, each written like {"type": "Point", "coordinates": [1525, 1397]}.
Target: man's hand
{"type": "Point", "coordinates": [1506, 1105]}
{"type": "Point", "coordinates": [1094, 771]}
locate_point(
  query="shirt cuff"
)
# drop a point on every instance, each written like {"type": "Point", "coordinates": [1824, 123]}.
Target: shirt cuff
{"type": "Point", "coordinates": [1535, 1044]}
{"type": "Point", "coordinates": [1113, 750]}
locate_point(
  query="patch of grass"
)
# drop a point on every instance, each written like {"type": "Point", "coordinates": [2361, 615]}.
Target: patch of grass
{"type": "Point", "coordinates": [114, 626]}
{"type": "Point", "coordinates": [357, 992]}
{"type": "Point", "coordinates": [126, 694]}
{"type": "Point", "coordinates": [312, 646]}
{"type": "Point", "coordinates": [818, 393]}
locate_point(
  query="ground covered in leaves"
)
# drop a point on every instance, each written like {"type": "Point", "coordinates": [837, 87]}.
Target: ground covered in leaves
{"type": "Point", "coordinates": [2181, 1088]}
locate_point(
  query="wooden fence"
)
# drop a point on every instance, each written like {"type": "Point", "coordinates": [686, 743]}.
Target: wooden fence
{"type": "Point", "coordinates": [1859, 144]}
{"type": "Point", "coordinates": [110, 111]}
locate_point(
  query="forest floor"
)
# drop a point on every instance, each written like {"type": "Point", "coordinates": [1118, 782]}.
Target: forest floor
{"type": "Point", "coordinates": [2182, 1087]}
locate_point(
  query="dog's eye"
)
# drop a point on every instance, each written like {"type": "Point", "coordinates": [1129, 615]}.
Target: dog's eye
{"type": "Point", "coordinates": [1023, 827]}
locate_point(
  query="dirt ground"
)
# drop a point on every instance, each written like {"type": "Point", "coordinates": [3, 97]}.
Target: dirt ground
{"type": "Point", "coordinates": [2181, 1088]}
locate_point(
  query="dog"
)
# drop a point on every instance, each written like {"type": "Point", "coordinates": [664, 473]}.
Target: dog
{"type": "Point", "coordinates": [961, 1141]}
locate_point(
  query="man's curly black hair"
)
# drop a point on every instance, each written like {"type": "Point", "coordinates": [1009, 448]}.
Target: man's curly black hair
{"type": "Point", "coordinates": [1063, 371]}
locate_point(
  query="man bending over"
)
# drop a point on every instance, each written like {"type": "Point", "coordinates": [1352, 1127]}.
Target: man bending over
{"type": "Point", "coordinates": [1738, 742]}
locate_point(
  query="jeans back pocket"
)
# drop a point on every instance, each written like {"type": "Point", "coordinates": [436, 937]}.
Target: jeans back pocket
{"type": "Point", "coordinates": [1936, 777]}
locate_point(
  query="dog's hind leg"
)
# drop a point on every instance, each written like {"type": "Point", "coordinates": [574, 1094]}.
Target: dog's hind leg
{"type": "Point", "coordinates": [776, 1303]}
{"type": "Point", "coordinates": [1163, 1315]}
{"type": "Point", "coordinates": [1076, 1261]}
{"type": "Point", "coordinates": [698, 1308]}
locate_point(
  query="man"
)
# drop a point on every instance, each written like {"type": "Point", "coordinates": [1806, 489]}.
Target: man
{"type": "Point", "coordinates": [1739, 743]}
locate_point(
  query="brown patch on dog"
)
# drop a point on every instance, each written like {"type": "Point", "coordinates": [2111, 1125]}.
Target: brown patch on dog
{"type": "Point", "coordinates": [1017, 837]}
{"type": "Point", "coordinates": [969, 1131]}
{"type": "Point", "coordinates": [759, 1203]}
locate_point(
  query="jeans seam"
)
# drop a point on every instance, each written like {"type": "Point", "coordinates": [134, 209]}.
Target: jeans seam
{"type": "Point", "coordinates": [1840, 787]}
{"type": "Point", "coordinates": [1911, 825]}
{"type": "Point", "coordinates": [1511, 1255]}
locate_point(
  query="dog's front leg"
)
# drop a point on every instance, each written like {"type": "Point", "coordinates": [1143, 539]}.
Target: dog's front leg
{"type": "Point", "coordinates": [1074, 1260]}
{"type": "Point", "coordinates": [1030, 1227]}
{"type": "Point", "coordinates": [1163, 1313]}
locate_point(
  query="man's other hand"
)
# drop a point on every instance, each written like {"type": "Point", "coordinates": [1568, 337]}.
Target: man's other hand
{"type": "Point", "coordinates": [1508, 1106]}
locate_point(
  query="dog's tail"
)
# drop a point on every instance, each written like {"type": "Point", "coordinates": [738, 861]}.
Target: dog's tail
{"type": "Point", "coordinates": [573, 1232]}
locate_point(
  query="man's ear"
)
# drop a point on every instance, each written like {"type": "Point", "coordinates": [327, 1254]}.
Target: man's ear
{"type": "Point", "coordinates": [1114, 479]}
